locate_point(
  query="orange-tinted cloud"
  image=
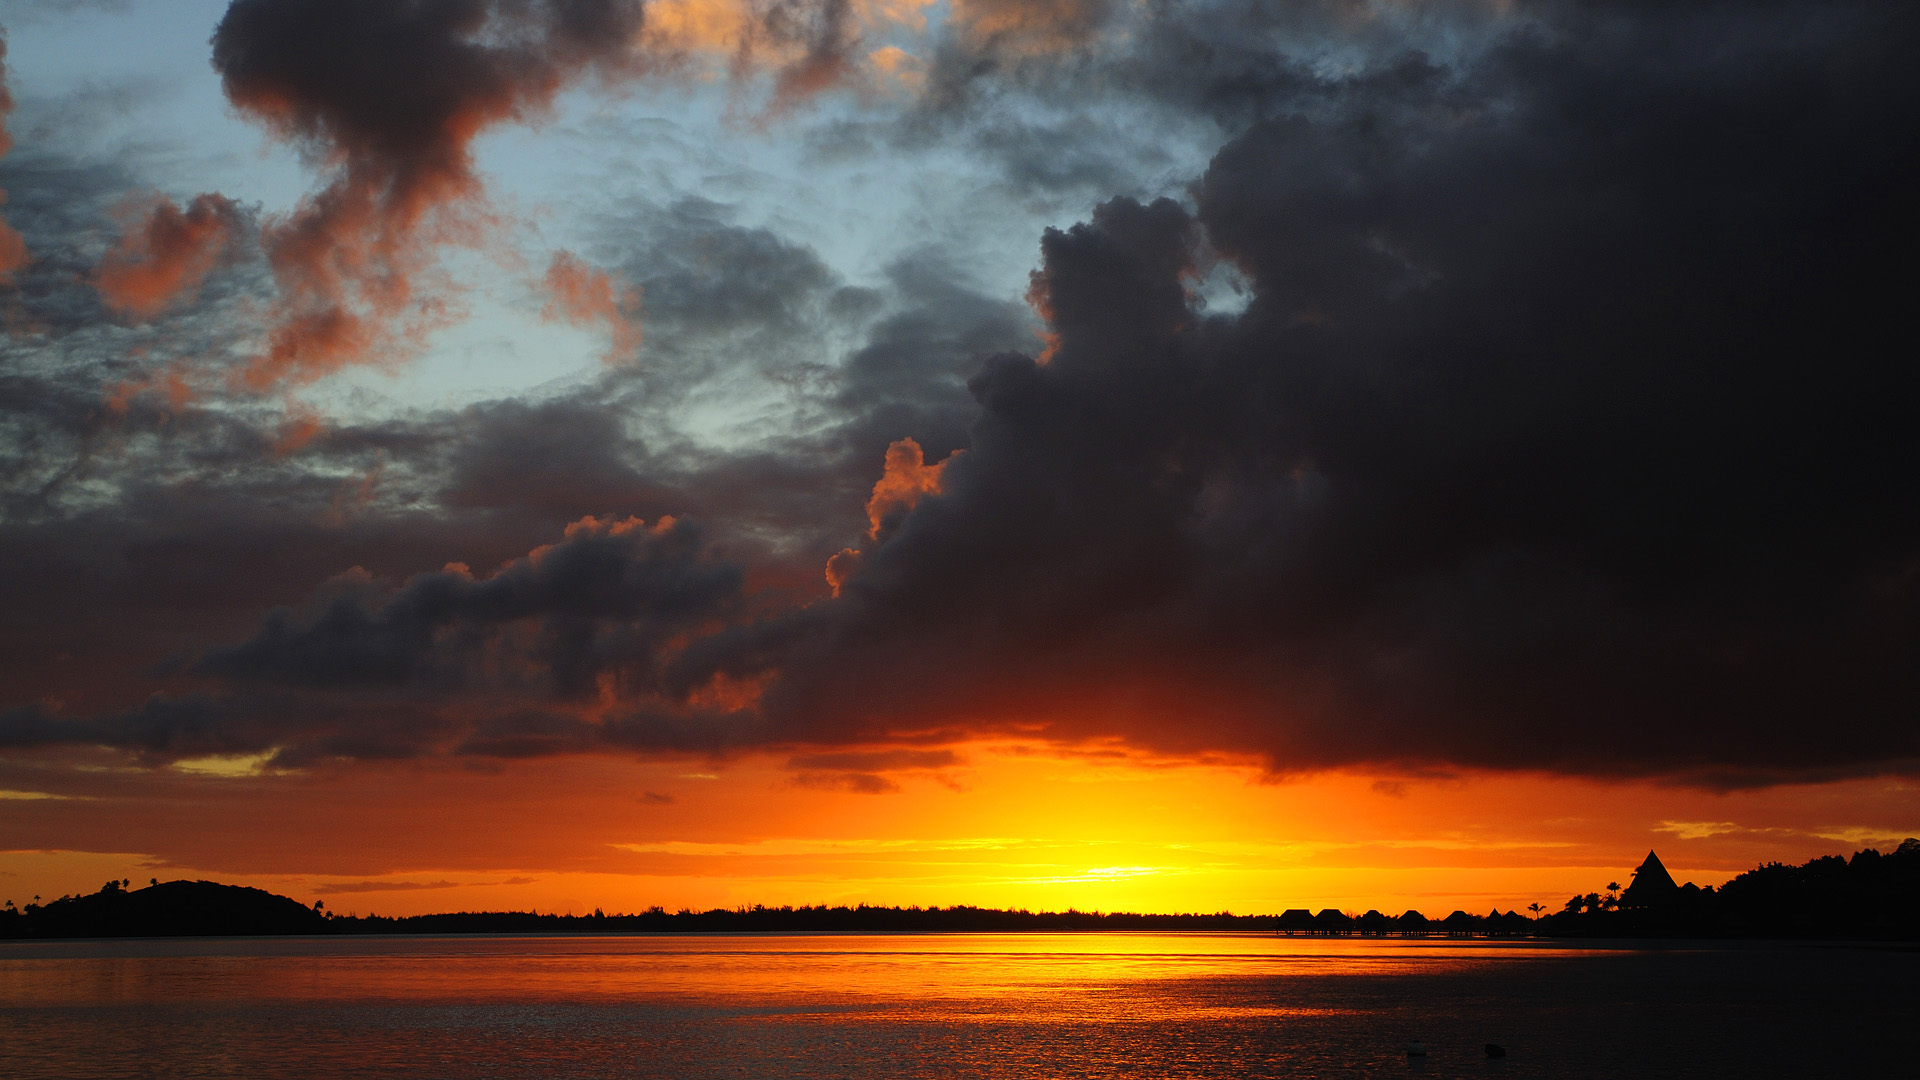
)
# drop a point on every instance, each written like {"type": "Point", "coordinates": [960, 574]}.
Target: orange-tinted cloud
{"type": "Point", "coordinates": [1032, 27]}
{"type": "Point", "coordinates": [808, 46]}
{"type": "Point", "coordinates": [164, 257]}
{"type": "Point", "coordinates": [841, 568]}
{"type": "Point", "coordinates": [298, 428]}
{"type": "Point", "coordinates": [170, 383]}
{"type": "Point", "coordinates": [1357, 541]}
{"type": "Point", "coordinates": [581, 295]}
{"type": "Point", "coordinates": [1041, 302]}
{"type": "Point", "coordinates": [897, 70]}
{"type": "Point", "coordinates": [389, 99]}
{"type": "Point", "coordinates": [6, 101]}
{"type": "Point", "coordinates": [13, 247]}
{"type": "Point", "coordinates": [816, 40]}
{"type": "Point", "coordinates": [682, 26]}
{"type": "Point", "coordinates": [885, 14]}
{"type": "Point", "coordinates": [908, 479]}
{"type": "Point", "coordinates": [13, 252]}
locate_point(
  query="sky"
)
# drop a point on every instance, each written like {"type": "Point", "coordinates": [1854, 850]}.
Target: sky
{"type": "Point", "coordinates": [1179, 455]}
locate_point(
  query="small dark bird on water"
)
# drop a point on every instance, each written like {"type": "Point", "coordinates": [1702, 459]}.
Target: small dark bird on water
{"type": "Point", "coordinates": [1496, 1050]}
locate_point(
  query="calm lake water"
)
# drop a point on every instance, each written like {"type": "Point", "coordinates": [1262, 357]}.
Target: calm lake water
{"type": "Point", "coordinates": [876, 1006]}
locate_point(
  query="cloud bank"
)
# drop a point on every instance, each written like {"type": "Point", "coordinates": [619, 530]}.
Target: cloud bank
{"type": "Point", "coordinates": [1560, 431]}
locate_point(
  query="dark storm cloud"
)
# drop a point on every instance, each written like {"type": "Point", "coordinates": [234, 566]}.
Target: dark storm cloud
{"type": "Point", "coordinates": [32, 725]}
{"type": "Point", "coordinates": [608, 597]}
{"type": "Point", "coordinates": [1561, 431]}
{"type": "Point", "coordinates": [158, 730]}
{"type": "Point", "coordinates": [146, 534]}
{"type": "Point", "coordinates": [495, 664]}
{"type": "Point", "coordinates": [286, 730]}
{"type": "Point", "coordinates": [397, 89]}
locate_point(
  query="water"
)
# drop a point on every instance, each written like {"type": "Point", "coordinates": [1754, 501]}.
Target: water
{"type": "Point", "coordinates": [865, 1007]}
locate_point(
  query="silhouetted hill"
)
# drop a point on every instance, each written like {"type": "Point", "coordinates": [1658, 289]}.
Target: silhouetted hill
{"type": "Point", "coordinates": [168, 909]}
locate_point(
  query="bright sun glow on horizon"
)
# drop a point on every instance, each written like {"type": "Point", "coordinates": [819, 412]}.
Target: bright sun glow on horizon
{"type": "Point", "coordinates": [1005, 824]}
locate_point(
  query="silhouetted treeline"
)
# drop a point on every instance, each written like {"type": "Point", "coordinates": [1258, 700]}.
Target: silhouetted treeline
{"type": "Point", "coordinates": [790, 920]}
{"type": "Point", "coordinates": [205, 908]}
{"type": "Point", "coordinates": [1869, 896]}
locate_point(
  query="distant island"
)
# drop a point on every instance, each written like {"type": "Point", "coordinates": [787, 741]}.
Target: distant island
{"type": "Point", "coordinates": [165, 909]}
{"type": "Point", "coordinates": [1868, 896]}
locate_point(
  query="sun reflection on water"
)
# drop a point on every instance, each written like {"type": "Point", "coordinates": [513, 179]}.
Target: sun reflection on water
{"type": "Point", "coordinates": [937, 1007]}
{"type": "Point", "coordinates": [1011, 976]}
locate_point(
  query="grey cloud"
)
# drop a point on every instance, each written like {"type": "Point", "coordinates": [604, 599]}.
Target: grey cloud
{"type": "Point", "coordinates": [607, 597]}
{"type": "Point", "coordinates": [566, 457]}
{"type": "Point", "coordinates": [1556, 435]}
{"type": "Point", "coordinates": [875, 760]}
{"type": "Point", "coordinates": [161, 728]}
{"type": "Point", "coordinates": [447, 663]}
{"type": "Point", "coordinates": [718, 294]}
{"type": "Point", "coordinates": [857, 782]}
{"type": "Point", "coordinates": [351, 888]}
{"type": "Point", "coordinates": [1125, 96]}
{"type": "Point", "coordinates": [908, 378]}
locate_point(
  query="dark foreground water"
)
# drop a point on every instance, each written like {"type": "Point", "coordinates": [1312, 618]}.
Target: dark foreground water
{"type": "Point", "coordinates": [946, 1006]}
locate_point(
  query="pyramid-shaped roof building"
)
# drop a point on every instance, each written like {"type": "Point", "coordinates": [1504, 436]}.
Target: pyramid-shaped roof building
{"type": "Point", "coordinates": [1651, 885]}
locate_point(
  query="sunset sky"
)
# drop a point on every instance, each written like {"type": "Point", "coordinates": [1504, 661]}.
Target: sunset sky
{"type": "Point", "coordinates": [1178, 455]}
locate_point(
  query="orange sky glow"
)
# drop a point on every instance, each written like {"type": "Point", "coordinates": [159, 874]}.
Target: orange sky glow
{"type": "Point", "coordinates": [1006, 825]}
